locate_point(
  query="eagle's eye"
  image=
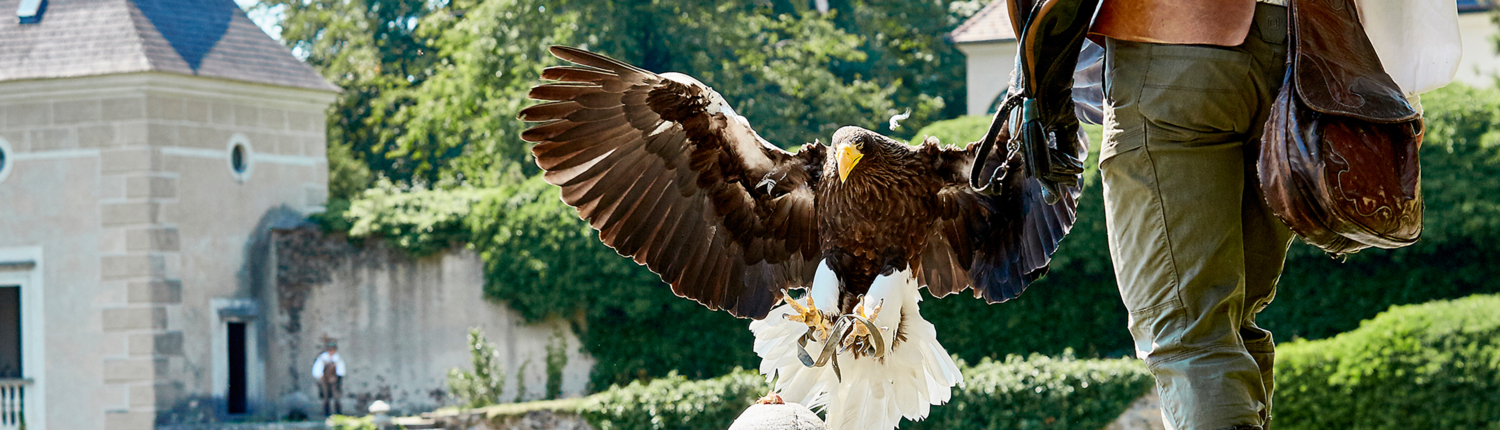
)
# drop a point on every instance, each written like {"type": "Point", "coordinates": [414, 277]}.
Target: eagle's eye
{"type": "Point", "coordinates": [859, 144]}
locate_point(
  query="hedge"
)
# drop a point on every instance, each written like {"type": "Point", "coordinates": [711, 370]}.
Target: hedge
{"type": "Point", "coordinates": [674, 402]}
{"type": "Point", "coordinates": [1041, 392]}
{"type": "Point", "coordinates": [1037, 392]}
{"type": "Point", "coordinates": [1428, 366]}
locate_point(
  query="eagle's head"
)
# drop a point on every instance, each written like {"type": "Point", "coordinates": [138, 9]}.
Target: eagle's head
{"type": "Point", "coordinates": [853, 145]}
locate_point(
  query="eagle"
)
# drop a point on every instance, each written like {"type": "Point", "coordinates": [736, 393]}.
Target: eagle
{"type": "Point", "coordinates": [672, 177]}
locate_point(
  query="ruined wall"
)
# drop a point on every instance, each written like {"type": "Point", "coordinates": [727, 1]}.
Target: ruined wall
{"type": "Point", "coordinates": [400, 323]}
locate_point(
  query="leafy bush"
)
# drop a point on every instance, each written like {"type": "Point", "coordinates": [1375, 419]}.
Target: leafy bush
{"type": "Point", "coordinates": [482, 385]}
{"type": "Point", "coordinates": [1036, 392]}
{"type": "Point", "coordinates": [418, 220]}
{"type": "Point", "coordinates": [1041, 392]}
{"type": "Point", "coordinates": [957, 131]}
{"type": "Point", "coordinates": [343, 422]}
{"type": "Point", "coordinates": [1428, 366]}
{"type": "Point", "coordinates": [674, 402]}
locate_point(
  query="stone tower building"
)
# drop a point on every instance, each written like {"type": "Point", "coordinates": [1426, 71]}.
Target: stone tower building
{"type": "Point", "coordinates": [146, 147]}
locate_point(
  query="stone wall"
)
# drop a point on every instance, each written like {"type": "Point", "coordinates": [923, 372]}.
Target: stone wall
{"type": "Point", "coordinates": [400, 323]}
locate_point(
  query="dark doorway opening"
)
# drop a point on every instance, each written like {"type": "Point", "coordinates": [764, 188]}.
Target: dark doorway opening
{"type": "Point", "coordinates": [10, 332]}
{"type": "Point", "coordinates": [235, 398]}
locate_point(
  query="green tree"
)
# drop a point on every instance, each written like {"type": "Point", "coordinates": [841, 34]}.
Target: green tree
{"type": "Point", "coordinates": [431, 88]}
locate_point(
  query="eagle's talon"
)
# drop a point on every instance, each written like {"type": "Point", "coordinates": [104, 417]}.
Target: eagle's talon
{"type": "Point", "coordinates": [817, 323]}
{"type": "Point", "coordinates": [859, 333]}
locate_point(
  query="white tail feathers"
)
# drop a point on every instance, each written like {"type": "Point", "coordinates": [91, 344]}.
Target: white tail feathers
{"type": "Point", "coordinates": [874, 394]}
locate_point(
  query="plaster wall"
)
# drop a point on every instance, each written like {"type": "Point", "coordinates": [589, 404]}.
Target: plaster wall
{"type": "Point", "coordinates": [989, 67]}
{"type": "Point", "coordinates": [1480, 62]}
{"type": "Point", "coordinates": [400, 323]}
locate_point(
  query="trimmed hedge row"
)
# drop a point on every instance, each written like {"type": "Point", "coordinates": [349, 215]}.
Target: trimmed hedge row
{"type": "Point", "coordinates": [1041, 392]}
{"type": "Point", "coordinates": [1037, 392]}
{"type": "Point", "coordinates": [1428, 366]}
{"type": "Point", "coordinates": [674, 402]}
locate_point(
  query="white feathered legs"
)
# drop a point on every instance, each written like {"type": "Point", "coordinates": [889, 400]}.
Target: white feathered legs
{"type": "Point", "coordinates": [873, 393]}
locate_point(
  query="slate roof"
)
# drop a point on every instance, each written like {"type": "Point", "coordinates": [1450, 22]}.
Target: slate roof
{"type": "Point", "coordinates": [991, 24]}
{"type": "Point", "coordinates": [210, 38]}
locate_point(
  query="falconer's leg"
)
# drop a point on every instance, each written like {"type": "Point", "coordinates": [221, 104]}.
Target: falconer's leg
{"type": "Point", "coordinates": [1192, 252]}
{"type": "Point", "coordinates": [1266, 237]}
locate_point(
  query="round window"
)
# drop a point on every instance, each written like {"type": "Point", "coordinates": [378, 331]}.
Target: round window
{"type": "Point", "coordinates": [241, 157]}
{"type": "Point", "coordinates": [237, 159]}
{"type": "Point", "coordinates": [5, 160]}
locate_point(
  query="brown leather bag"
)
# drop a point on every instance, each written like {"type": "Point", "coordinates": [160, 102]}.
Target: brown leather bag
{"type": "Point", "coordinates": [1338, 163]}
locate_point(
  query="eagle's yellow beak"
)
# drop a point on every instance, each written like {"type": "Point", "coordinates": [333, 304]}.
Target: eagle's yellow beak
{"type": "Point", "coordinates": [848, 157]}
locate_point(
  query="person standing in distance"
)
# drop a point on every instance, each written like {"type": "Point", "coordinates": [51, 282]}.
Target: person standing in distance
{"type": "Point", "coordinates": [328, 371]}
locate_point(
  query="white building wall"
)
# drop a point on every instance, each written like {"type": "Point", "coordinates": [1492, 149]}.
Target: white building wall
{"type": "Point", "coordinates": [1480, 62]}
{"type": "Point", "coordinates": [123, 183]}
{"type": "Point", "coordinates": [989, 67]}
{"type": "Point", "coordinates": [990, 64]}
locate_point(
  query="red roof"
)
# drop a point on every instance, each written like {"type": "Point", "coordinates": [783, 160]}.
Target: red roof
{"type": "Point", "coordinates": [991, 24]}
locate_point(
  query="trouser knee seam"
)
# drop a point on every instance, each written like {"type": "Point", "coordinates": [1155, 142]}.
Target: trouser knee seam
{"type": "Point", "coordinates": [1153, 364]}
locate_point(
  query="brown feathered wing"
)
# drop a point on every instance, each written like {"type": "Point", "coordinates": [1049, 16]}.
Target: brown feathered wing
{"type": "Point", "coordinates": [672, 177]}
{"type": "Point", "coordinates": [996, 244]}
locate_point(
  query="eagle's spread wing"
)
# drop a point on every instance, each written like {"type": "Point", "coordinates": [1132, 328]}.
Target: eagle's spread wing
{"type": "Point", "coordinates": [996, 244]}
{"type": "Point", "coordinates": [671, 176]}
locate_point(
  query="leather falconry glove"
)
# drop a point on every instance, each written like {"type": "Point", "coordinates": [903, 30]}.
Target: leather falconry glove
{"type": "Point", "coordinates": [1045, 128]}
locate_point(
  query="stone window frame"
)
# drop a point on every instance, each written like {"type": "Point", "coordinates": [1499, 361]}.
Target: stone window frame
{"type": "Point", "coordinates": [23, 266]}
{"type": "Point", "coordinates": [248, 158]}
{"type": "Point", "coordinates": [7, 159]}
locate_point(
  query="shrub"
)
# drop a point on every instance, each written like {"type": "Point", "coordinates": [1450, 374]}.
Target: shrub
{"type": "Point", "coordinates": [418, 220]}
{"type": "Point", "coordinates": [1041, 392]}
{"type": "Point", "coordinates": [957, 131]}
{"type": "Point", "coordinates": [1037, 392]}
{"type": "Point", "coordinates": [674, 402]}
{"type": "Point", "coordinates": [1428, 366]}
{"type": "Point", "coordinates": [481, 386]}
{"type": "Point", "coordinates": [343, 422]}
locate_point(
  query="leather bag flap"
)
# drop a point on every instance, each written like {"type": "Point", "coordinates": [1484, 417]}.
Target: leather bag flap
{"type": "Point", "coordinates": [1336, 69]}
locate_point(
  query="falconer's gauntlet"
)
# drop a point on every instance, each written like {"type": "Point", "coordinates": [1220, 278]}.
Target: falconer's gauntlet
{"type": "Point", "coordinates": [1051, 33]}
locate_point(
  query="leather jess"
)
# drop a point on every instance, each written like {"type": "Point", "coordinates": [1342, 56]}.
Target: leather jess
{"type": "Point", "coordinates": [1339, 163]}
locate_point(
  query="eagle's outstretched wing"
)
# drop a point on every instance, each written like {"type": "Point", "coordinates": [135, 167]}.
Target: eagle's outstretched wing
{"type": "Point", "coordinates": [998, 244]}
{"type": "Point", "coordinates": [670, 175]}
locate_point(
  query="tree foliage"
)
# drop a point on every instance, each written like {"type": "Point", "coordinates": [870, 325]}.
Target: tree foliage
{"type": "Point", "coordinates": [432, 87]}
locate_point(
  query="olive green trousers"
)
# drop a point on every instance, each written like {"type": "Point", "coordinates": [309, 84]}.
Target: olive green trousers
{"type": "Point", "coordinates": [1196, 250]}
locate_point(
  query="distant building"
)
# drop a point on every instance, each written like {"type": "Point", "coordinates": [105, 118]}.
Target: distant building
{"type": "Point", "coordinates": [145, 146]}
{"type": "Point", "coordinates": [157, 162]}
{"type": "Point", "coordinates": [990, 45]}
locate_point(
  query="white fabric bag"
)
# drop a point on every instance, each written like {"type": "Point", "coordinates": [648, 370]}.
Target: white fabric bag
{"type": "Point", "coordinates": [1417, 41]}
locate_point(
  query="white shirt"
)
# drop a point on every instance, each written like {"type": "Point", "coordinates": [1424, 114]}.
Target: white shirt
{"type": "Point", "coordinates": [323, 360]}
